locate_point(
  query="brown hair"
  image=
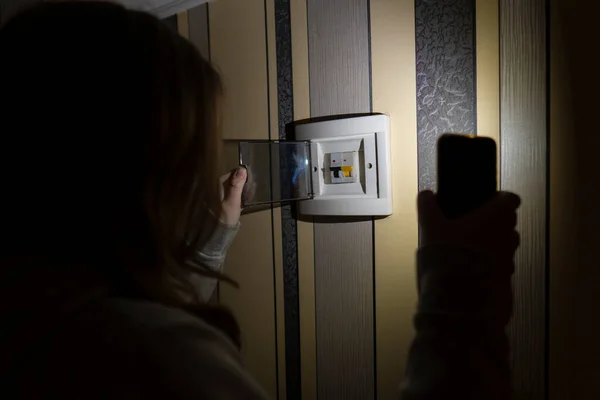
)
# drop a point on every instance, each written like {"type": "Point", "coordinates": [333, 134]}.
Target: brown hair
{"type": "Point", "coordinates": [110, 148]}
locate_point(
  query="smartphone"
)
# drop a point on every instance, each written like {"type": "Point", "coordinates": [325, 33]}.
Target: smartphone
{"type": "Point", "coordinates": [466, 173]}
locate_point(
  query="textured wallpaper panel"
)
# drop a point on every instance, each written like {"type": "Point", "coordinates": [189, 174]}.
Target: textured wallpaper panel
{"type": "Point", "coordinates": [445, 51]}
{"type": "Point", "coordinates": [285, 104]}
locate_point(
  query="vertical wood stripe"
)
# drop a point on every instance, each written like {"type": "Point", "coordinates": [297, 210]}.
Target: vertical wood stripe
{"type": "Point", "coordinates": [183, 25]}
{"type": "Point", "coordinates": [569, 375]}
{"type": "Point", "coordinates": [574, 198]}
{"type": "Point", "coordinates": [198, 29]}
{"type": "Point", "coordinates": [338, 46]}
{"type": "Point", "coordinates": [487, 49]}
{"type": "Point", "coordinates": [523, 171]}
{"type": "Point", "coordinates": [396, 237]}
{"type": "Point", "coordinates": [566, 378]}
{"type": "Point", "coordinates": [305, 230]}
{"type": "Point", "coordinates": [239, 51]}
{"type": "Point", "coordinates": [445, 76]}
{"type": "Point", "coordinates": [199, 37]}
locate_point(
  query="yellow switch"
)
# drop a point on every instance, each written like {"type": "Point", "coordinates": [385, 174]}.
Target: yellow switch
{"type": "Point", "coordinates": [347, 170]}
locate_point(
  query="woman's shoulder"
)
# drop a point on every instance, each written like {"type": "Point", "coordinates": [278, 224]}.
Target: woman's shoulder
{"type": "Point", "coordinates": [148, 346]}
{"type": "Point", "coordinates": [153, 321]}
{"type": "Point", "coordinates": [187, 350]}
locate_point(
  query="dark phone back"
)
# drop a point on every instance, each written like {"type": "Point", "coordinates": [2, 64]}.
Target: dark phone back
{"type": "Point", "coordinates": [466, 173]}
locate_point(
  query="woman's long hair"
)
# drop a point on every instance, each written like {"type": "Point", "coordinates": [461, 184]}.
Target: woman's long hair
{"type": "Point", "coordinates": [109, 123]}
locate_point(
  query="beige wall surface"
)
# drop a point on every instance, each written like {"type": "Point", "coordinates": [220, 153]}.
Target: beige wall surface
{"type": "Point", "coordinates": [240, 34]}
{"type": "Point", "coordinates": [393, 49]}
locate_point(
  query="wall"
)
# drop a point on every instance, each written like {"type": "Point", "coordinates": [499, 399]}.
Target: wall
{"type": "Point", "coordinates": [574, 198]}
{"type": "Point", "coordinates": [326, 305]}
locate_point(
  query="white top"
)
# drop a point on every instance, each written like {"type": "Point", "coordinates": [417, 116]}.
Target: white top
{"type": "Point", "coordinates": [66, 339]}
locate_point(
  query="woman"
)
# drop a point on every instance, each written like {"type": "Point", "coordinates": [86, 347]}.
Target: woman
{"type": "Point", "coordinates": [111, 144]}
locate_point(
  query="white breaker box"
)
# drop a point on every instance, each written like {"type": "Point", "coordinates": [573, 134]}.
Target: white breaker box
{"type": "Point", "coordinates": [335, 167]}
{"type": "Point", "coordinates": [351, 166]}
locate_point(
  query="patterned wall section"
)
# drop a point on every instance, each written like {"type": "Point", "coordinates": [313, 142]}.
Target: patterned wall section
{"type": "Point", "coordinates": [445, 37]}
{"type": "Point", "coordinates": [285, 101]}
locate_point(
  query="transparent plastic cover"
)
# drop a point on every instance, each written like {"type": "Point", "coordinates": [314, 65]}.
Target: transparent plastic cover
{"type": "Point", "coordinates": [277, 171]}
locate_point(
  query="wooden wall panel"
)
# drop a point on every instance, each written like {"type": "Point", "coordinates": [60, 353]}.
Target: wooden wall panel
{"type": "Point", "coordinates": [566, 377]}
{"type": "Point", "coordinates": [239, 48]}
{"type": "Point", "coordinates": [198, 29]}
{"type": "Point", "coordinates": [523, 170]}
{"type": "Point", "coordinates": [396, 237]}
{"type": "Point", "coordinates": [339, 62]}
{"type": "Point", "coordinates": [574, 198]}
{"type": "Point", "coordinates": [487, 51]}
{"type": "Point", "coordinates": [194, 23]}
{"type": "Point", "coordinates": [183, 26]}
{"type": "Point", "coordinates": [239, 52]}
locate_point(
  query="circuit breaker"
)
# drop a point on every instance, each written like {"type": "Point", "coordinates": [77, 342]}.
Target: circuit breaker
{"type": "Point", "coordinates": [343, 167]}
